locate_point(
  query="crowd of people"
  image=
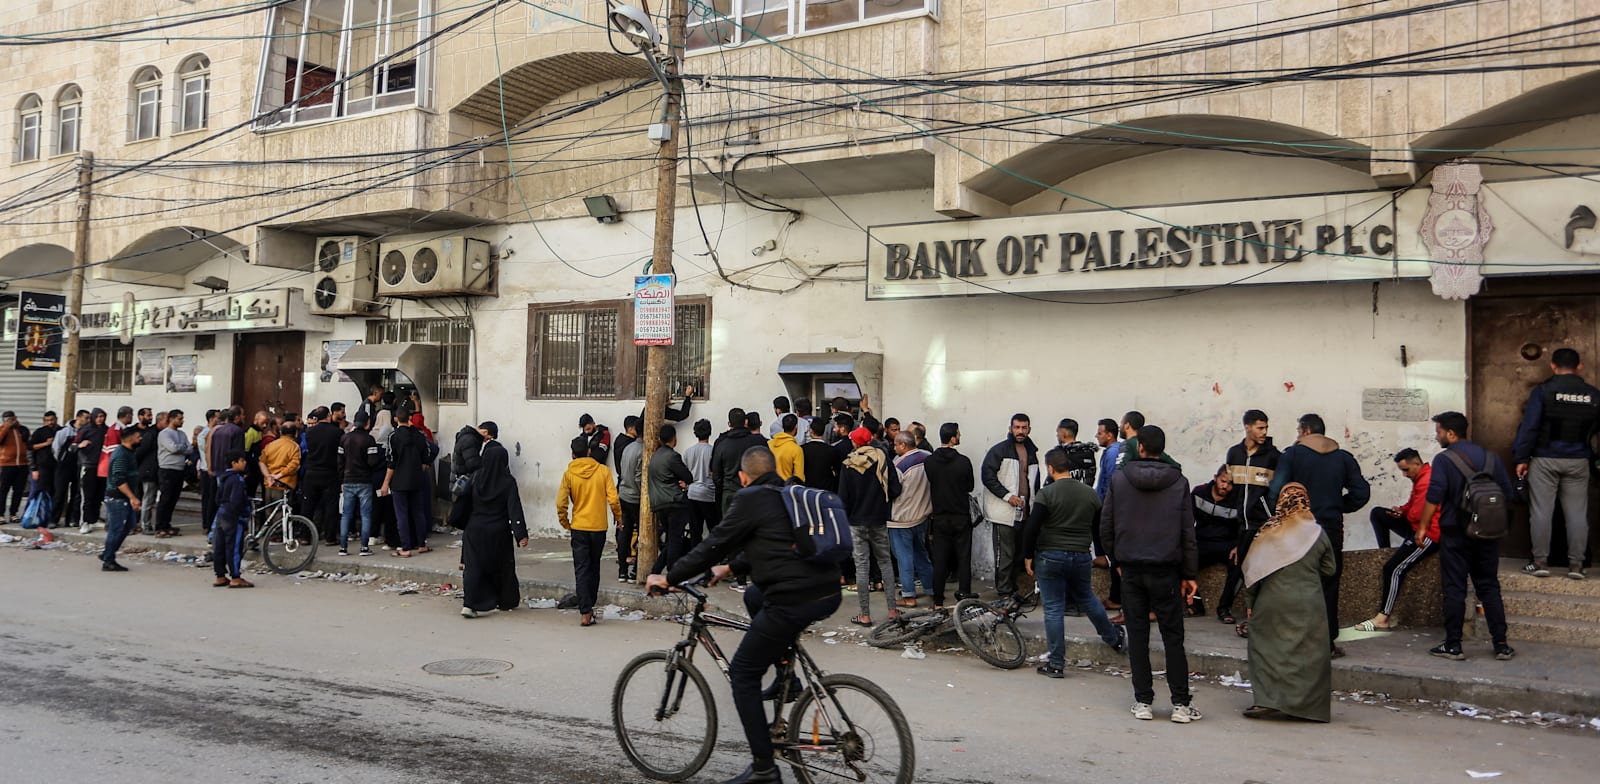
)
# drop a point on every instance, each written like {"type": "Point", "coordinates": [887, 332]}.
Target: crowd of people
{"type": "Point", "coordinates": [369, 476]}
{"type": "Point", "coordinates": [1271, 519]}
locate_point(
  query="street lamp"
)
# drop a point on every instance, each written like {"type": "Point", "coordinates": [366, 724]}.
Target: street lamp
{"type": "Point", "coordinates": [636, 26]}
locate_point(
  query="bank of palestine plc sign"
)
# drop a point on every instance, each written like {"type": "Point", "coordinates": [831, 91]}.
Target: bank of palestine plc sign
{"type": "Point", "coordinates": [1302, 239]}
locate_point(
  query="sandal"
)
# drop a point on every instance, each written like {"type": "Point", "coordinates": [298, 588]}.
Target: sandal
{"type": "Point", "coordinates": [399, 554]}
{"type": "Point", "coordinates": [1242, 629]}
{"type": "Point", "coordinates": [862, 620]}
{"type": "Point", "coordinates": [1369, 626]}
{"type": "Point", "coordinates": [1226, 617]}
{"type": "Point", "coordinates": [423, 549]}
{"type": "Point", "coordinates": [1259, 712]}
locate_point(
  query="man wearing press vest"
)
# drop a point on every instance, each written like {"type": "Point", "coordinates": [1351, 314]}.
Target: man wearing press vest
{"type": "Point", "coordinates": [1552, 453]}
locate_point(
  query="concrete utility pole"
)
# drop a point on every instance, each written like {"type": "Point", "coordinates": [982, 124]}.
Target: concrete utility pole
{"type": "Point", "coordinates": [655, 379]}
{"type": "Point", "coordinates": [80, 265]}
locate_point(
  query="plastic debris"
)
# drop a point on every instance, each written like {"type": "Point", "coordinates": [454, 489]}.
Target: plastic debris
{"type": "Point", "coordinates": [1483, 774]}
{"type": "Point", "coordinates": [1236, 679]}
{"type": "Point", "coordinates": [913, 652]}
{"type": "Point", "coordinates": [542, 604]}
{"type": "Point", "coordinates": [829, 634]}
{"type": "Point", "coordinates": [612, 612]}
{"type": "Point", "coordinates": [8, 539]}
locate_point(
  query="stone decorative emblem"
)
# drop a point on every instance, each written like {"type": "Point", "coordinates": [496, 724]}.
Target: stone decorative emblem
{"type": "Point", "coordinates": [1456, 229]}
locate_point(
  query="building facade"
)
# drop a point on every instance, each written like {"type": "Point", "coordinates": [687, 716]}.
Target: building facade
{"type": "Point", "coordinates": [1374, 211]}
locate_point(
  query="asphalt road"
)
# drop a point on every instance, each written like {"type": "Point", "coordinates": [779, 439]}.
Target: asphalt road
{"type": "Point", "coordinates": [153, 676]}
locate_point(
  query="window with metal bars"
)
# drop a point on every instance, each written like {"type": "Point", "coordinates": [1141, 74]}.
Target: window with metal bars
{"type": "Point", "coordinates": [105, 366]}
{"type": "Point", "coordinates": [585, 350]}
{"type": "Point", "coordinates": [452, 335]}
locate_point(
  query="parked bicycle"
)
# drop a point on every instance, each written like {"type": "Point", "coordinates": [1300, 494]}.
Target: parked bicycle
{"type": "Point", "coordinates": [287, 541]}
{"type": "Point", "coordinates": [842, 727]}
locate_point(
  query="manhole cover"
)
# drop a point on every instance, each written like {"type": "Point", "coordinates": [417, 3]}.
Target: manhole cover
{"type": "Point", "coordinates": [467, 667]}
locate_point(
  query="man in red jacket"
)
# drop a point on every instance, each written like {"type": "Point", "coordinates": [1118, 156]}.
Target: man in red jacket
{"type": "Point", "coordinates": [1417, 542]}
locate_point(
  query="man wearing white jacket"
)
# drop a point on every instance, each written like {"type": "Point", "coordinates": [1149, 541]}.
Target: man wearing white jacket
{"type": "Point", "coordinates": [1010, 475]}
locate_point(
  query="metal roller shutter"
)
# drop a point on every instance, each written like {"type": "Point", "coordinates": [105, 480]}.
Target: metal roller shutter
{"type": "Point", "coordinates": [22, 391]}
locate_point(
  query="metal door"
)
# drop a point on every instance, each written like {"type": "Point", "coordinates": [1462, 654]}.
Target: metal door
{"type": "Point", "coordinates": [268, 372]}
{"type": "Point", "coordinates": [1511, 340]}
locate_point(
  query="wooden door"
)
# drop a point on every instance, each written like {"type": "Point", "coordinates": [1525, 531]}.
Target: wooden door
{"type": "Point", "coordinates": [1511, 340]}
{"type": "Point", "coordinates": [267, 372]}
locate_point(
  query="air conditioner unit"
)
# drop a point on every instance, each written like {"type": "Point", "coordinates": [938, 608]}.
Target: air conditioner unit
{"type": "Point", "coordinates": [424, 266]}
{"type": "Point", "coordinates": [344, 277]}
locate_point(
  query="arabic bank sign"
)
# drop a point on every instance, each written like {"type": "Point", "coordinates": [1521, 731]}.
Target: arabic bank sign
{"type": "Point", "coordinates": [275, 309]}
{"type": "Point", "coordinates": [1303, 239]}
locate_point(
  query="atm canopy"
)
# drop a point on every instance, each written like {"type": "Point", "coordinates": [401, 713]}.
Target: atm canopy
{"type": "Point", "coordinates": [368, 363]}
{"type": "Point", "coordinates": [801, 373]}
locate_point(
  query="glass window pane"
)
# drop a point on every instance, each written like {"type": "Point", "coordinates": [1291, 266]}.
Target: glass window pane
{"type": "Point", "coordinates": [829, 13]}
{"type": "Point", "coordinates": [711, 26]}
{"type": "Point", "coordinates": [28, 141]}
{"type": "Point", "coordinates": [766, 18]}
{"type": "Point", "coordinates": [887, 7]}
{"type": "Point", "coordinates": [688, 359]}
{"type": "Point", "coordinates": [195, 93]}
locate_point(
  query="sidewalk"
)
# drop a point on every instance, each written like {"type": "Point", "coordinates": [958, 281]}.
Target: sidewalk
{"type": "Point", "coordinates": [1543, 677]}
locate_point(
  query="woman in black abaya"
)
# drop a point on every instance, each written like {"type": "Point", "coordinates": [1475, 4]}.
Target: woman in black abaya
{"type": "Point", "coordinates": [496, 523]}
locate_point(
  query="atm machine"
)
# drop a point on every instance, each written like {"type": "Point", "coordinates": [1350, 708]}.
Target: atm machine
{"type": "Point", "coordinates": [826, 375]}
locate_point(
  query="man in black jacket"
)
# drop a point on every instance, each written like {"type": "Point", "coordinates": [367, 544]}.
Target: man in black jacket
{"type": "Point", "coordinates": [728, 451]}
{"type": "Point", "coordinates": [1147, 525]}
{"type": "Point", "coordinates": [789, 594]}
{"type": "Point", "coordinates": [821, 459]}
{"type": "Point", "coordinates": [668, 489]}
{"type": "Point", "coordinates": [868, 486]}
{"type": "Point", "coordinates": [630, 434]}
{"type": "Point", "coordinates": [408, 454]}
{"type": "Point", "coordinates": [359, 457]}
{"type": "Point", "coordinates": [150, 426]}
{"type": "Point", "coordinates": [597, 437]}
{"type": "Point", "coordinates": [1010, 473]}
{"type": "Point", "coordinates": [42, 458]}
{"type": "Point", "coordinates": [950, 485]}
{"type": "Point", "coordinates": [1336, 488]}
{"type": "Point", "coordinates": [321, 463]}
{"type": "Point", "coordinates": [1217, 535]}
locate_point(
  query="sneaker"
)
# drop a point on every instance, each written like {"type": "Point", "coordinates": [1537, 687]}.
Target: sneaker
{"type": "Point", "coordinates": [1142, 712]}
{"type": "Point", "coordinates": [468, 612]}
{"type": "Point", "coordinates": [1184, 714]}
{"type": "Point", "coordinates": [366, 551]}
{"type": "Point", "coordinates": [1504, 652]}
{"type": "Point", "coordinates": [1536, 569]}
{"type": "Point", "coordinates": [344, 551]}
{"type": "Point", "coordinates": [1050, 672]}
{"type": "Point", "coordinates": [112, 566]}
{"type": "Point", "coordinates": [1445, 650]}
{"type": "Point", "coordinates": [1575, 572]}
{"type": "Point", "coordinates": [1121, 645]}
{"type": "Point", "coordinates": [85, 528]}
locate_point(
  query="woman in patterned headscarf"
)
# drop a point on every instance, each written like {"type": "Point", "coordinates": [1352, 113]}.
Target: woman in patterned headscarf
{"type": "Point", "coordinates": [1291, 667]}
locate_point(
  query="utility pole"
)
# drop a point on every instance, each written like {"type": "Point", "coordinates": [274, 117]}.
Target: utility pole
{"type": "Point", "coordinates": [80, 264]}
{"type": "Point", "coordinates": [655, 379]}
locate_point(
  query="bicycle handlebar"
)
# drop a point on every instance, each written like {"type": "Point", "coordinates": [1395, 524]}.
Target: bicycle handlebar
{"type": "Point", "coordinates": [691, 587]}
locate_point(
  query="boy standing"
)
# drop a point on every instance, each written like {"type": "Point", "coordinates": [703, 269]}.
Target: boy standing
{"type": "Point", "coordinates": [227, 531]}
{"type": "Point", "coordinates": [587, 488]}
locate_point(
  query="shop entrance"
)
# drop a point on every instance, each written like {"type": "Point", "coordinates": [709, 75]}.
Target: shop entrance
{"type": "Point", "coordinates": [1513, 330]}
{"type": "Point", "coordinates": [268, 370]}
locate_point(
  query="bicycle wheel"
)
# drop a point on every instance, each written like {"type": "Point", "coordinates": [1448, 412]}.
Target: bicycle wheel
{"type": "Point", "coordinates": [289, 544]}
{"type": "Point", "coordinates": [897, 631]}
{"type": "Point", "coordinates": [990, 634]}
{"type": "Point", "coordinates": [854, 733]}
{"type": "Point", "coordinates": [669, 745]}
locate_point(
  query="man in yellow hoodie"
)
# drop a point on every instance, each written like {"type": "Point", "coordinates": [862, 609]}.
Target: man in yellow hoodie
{"type": "Point", "coordinates": [791, 459]}
{"type": "Point", "coordinates": [587, 488]}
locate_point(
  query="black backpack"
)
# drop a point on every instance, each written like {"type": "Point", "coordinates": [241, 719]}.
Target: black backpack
{"type": "Point", "coordinates": [1484, 503]}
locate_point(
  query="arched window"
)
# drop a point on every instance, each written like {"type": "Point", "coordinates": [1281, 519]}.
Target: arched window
{"type": "Point", "coordinates": [30, 114]}
{"type": "Point", "coordinates": [194, 93]}
{"type": "Point", "coordinates": [144, 121]}
{"type": "Point", "coordinates": [69, 119]}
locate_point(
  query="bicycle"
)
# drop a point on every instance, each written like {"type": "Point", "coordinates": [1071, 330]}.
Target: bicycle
{"type": "Point", "coordinates": [989, 629]}
{"type": "Point", "coordinates": [287, 541]}
{"type": "Point", "coordinates": [839, 728]}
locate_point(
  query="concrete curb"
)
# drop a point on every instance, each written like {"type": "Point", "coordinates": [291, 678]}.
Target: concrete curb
{"type": "Point", "coordinates": [1505, 693]}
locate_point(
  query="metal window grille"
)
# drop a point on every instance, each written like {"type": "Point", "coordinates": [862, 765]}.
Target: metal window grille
{"type": "Point", "coordinates": [577, 353]}
{"type": "Point", "coordinates": [689, 358]}
{"type": "Point", "coordinates": [105, 366]}
{"type": "Point", "coordinates": [454, 338]}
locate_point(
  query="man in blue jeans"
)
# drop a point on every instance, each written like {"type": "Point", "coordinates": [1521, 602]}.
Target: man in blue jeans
{"type": "Point", "coordinates": [908, 519]}
{"type": "Point", "coordinates": [1055, 550]}
{"type": "Point", "coordinates": [123, 492]}
{"type": "Point", "coordinates": [359, 457]}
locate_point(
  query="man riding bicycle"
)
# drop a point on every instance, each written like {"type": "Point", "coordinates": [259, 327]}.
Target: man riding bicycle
{"type": "Point", "coordinates": [787, 594]}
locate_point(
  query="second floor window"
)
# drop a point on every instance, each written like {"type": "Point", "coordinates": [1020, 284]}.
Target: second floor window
{"type": "Point", "coordinates": [734, 22]}
{"type": "Point", "coordinates": [69, 119]}
{"type": "Point", "coordinates": [145, 122]}
{"type": "Point", "coordinates": [194, 93]}
{"type": "Point", "coordinates": [30, 114]}
{"type": "Point", "coordinates": [339, 58]}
